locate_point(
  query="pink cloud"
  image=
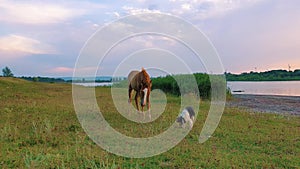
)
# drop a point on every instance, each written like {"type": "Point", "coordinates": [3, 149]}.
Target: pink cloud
{"type": "Point", "coordinates": [16, 46]}
{"type": "Point", "coordinates": [61, 70]}
{"type": "Point", "coordinates": [45, 12]}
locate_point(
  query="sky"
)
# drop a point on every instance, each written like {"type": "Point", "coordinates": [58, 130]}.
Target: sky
{"type": "Point", "coordinates": [45, 38]}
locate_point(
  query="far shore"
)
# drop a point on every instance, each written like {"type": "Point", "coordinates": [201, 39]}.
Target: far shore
{"type": "Point", "coordinates": [285, 105]}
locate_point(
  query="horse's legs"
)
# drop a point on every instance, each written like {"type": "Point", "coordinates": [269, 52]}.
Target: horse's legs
{"type": "Point", "coordinates": [148, 104]}
{"type": "Point", "coordinates": [129, 93]}
{"type": "Point", "coordinates": [136, 101]}
{"type": "Point", "coordinates": [143, 111]}
{"type": "Point", "coordinates": [129, 98]}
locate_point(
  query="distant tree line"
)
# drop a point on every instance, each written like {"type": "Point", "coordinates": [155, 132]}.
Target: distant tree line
{"type": "Point", "coordinates": [43, 79]}
{"type": "Point", "coordinates": [61, 80]}
{"type": "Point", "coordinates": [273, 75]}
{"type": "Point", "coordinates": [7, 72]}
{"type": "Point", "coordinates": [84, 80]}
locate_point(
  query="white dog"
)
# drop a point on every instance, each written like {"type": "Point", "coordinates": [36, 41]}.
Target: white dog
{"type": "Point", "coordinates": [186, 116]}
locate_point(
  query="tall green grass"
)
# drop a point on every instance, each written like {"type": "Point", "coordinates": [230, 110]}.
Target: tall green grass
{"type": "Point", "coordinates": [39, 129]}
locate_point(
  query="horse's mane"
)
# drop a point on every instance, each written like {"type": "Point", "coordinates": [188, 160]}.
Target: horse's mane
{"type": "Point", "coordinates": [146, 76]}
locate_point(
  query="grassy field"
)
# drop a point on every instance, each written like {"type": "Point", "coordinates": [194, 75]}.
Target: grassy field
{"type": "Point", "coordinates": [39, 129]}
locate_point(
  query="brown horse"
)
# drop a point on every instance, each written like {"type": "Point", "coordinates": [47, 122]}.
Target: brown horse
{"type": "Point", "coordinates": [140, 82]}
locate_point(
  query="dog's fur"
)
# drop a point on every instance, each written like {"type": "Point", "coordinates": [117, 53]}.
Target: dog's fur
{"type": "Point", "coordinates": [186, 116]}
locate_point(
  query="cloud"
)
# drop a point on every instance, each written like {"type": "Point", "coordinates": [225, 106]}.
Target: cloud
{"type": "Point", "coordinates": [32, 12]}
{"type": "Point", "coordinates": [116, 14]}
{"type": "Point", "coordinates": [246, 32]}
{"type": "Point", "coordinates": [61, 70]}
{"type": "Point", "coordinates": [186, 6]}
{"type": "Point", "coordinates": [129, 10]}
{"type": "Point", "coordinates": [204, 9]}
{"type": "Point", "coordinates": [245, 42]}
{"type": "Point", "coordinates": [15, 45]}
{"type": "Point", "coordinates": [192, 9]}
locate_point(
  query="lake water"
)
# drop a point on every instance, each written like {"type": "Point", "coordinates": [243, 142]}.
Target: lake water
{"type": "Point", "coordinates": [94, 84]}
{"type": "Point", "coordinates": [283, 88]}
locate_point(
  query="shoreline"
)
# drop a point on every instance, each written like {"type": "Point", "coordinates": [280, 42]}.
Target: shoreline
{"type": "Point", "coordinates": [277, 104]}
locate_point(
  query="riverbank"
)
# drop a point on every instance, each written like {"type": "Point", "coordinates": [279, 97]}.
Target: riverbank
{"type": "Point", "coordinates": [287, 105]}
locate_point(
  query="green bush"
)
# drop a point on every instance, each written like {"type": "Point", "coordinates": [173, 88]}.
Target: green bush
{"type": "Point", "coordinates": [170, 84]}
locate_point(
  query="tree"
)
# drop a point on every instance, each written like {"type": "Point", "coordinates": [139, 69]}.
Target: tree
{"type": "Point", "coordinates": [7, 72]}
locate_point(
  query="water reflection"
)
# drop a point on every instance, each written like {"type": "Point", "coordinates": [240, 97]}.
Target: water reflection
{"type": "Point", "coordinates": [285, 88]}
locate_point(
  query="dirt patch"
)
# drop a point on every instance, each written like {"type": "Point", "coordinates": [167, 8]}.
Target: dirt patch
{"type": "Point", "coordinates": [267, 103]}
